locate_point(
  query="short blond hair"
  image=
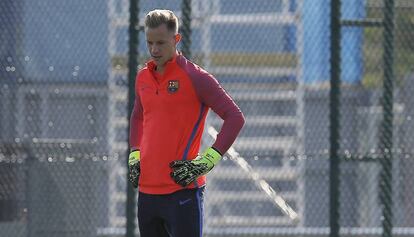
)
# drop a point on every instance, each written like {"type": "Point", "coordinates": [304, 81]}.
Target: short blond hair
{"type": "Point", "coordinates": [158, 17]}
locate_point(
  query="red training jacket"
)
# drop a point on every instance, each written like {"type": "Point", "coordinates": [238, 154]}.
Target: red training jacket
{"type": "Point", "coordinates": [168, 119]}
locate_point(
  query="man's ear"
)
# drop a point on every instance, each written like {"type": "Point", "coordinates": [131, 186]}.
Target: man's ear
{"type": "Point", "coordinates": [177, 38]}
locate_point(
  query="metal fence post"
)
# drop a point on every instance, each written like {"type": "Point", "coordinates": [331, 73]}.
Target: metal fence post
{"type": "Point", "coordinates": [132, 71]}
{"type": "Point", "coordinates": [186, 28]}
{"type": "Point", "coordinates": [334, 116]}
{"type": "Point", "coordinates": [386, 143]}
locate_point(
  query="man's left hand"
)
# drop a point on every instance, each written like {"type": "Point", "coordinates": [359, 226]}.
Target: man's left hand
{"type": "Point", "coordinates": [184, 172]}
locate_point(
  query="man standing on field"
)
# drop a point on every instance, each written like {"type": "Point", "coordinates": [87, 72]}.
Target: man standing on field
{"type": "Point", "coordinates": [172, 98]}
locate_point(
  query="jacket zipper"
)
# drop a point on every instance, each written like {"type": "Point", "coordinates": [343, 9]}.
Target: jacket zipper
{"type": "Point", "coordinates": [157, 84]}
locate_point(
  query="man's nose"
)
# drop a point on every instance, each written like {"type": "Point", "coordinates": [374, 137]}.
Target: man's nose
{"type": "Point", "coordinates": [154, 50]}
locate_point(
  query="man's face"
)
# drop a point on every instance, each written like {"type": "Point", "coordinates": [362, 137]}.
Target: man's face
{"type": "Point", "coordinates": [161, 44]}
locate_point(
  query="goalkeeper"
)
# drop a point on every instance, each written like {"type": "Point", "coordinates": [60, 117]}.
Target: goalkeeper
{"type": "Point", "coordinates": [172, 98]}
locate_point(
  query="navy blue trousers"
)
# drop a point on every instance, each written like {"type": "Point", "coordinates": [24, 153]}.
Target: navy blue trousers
{"type": "Point", "coordinates": [179, 214]}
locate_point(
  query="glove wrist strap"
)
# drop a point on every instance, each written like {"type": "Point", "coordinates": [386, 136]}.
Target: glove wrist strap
{"type": "Point", "coordinates": [213, 155]}
{"type": "Point", "coordinates": [134, 157]}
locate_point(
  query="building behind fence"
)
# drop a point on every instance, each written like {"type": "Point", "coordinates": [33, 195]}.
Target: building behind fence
{"type": "Point", "coordinates": [64, 105]}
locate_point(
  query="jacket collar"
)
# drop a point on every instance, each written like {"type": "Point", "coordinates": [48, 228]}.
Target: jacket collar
{"type": "Point", "coordinates": [151, 64]}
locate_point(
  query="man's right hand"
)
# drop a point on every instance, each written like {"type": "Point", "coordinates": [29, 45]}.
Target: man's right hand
{"type": "Point", "coordinates": [134, 169]}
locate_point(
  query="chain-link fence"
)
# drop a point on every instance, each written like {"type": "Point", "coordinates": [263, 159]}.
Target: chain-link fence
{"type": "Point", "coordinates": [64, 115]}
{"type": "Point", "coordinates": [60, 137]}
{"type": "Point", "coordinates": [378, 150]}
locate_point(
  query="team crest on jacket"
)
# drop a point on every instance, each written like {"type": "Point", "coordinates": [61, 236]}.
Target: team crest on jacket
{"type": "Point", "coordinates": [173, 86]}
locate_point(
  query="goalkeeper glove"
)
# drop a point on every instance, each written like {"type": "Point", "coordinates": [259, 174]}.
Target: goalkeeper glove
{"type": "Point", "coordinates": [184, 172]}
{"type": "Point", "coordinates": [134, 169]}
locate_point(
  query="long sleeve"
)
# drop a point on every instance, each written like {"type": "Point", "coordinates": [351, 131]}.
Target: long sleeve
{"type": "Point", "coordinates": [136, 128]}
{"type": "Point", "coordinates": [214, 96]}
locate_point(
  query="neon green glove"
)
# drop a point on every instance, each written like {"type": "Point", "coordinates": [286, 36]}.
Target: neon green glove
{"type": "Point", "coordinates": [134, 169]}
{"type": "Point", "coordinates": [184, 172]}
